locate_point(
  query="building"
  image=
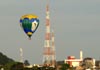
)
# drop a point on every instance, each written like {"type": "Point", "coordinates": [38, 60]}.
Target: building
{"type": "Point", "coordinates": [89, 62]}
{"type": "Point", "coordinates": [72, 61]}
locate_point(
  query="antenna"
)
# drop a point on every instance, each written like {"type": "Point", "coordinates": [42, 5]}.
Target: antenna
{"type": "Point", "coordinates": [81, 55]}
{"type": "Point", "coordinates": [53, 49]}
{"type": "Point", "coordinates": [21, 55]}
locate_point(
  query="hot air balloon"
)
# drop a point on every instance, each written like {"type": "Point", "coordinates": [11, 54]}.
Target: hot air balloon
{"type": "Point", "coordinates": [29, 24]}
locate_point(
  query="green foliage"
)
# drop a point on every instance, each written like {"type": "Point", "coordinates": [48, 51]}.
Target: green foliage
{"type": "Point", "coordinates": [8, 65]}
{"type": "Point", "coordinates": [27, 69]}
{"type": "Point", "coordinates": [46, 68]}
{"type": "Point", "coordinates": [65, 66]}
{"type": "Point", "coordinates": [13, 66]}
{"type": "Point", "coordinates": [17, 66]}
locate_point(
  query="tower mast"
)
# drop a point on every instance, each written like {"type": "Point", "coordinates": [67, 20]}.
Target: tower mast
{"type": "Point", "coordinates": [21, 55]}
{"type": "Point", "coordinates": [53, 49]}
{"type": "Point", "coordinates": [47, 47]}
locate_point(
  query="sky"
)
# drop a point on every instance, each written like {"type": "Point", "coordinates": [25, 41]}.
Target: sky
{"type": "Point", "coordinates": [76, 25]}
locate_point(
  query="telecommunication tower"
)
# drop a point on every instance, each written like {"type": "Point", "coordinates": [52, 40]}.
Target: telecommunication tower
{"type": "Point", "coordinates": [21, 55]}
{"type": "Point", "coordinates": [49, 48]}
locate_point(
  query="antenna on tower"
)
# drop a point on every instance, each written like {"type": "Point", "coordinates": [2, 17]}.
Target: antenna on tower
{"type": "Point", "coordinates": [21, 55]}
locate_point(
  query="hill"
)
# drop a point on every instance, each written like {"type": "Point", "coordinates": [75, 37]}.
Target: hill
{"type": "Point", "coordinates": [4, 59]}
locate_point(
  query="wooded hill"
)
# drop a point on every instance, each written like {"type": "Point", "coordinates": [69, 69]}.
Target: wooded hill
{"type": "Point", "coordinates": [4, 59]}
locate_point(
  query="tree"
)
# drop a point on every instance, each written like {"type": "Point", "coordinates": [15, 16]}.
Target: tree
{"type": "Point", "coordinates": [17, 66]}
{"type": "Point", "coordinates": [9, 65]}
{"type": "Point", "coordinates": [26, 63]}
{"type": "Point", "coordinates": [65, 66]}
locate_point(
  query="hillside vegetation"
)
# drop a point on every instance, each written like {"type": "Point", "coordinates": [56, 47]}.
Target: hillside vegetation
{"type": "Point", "coordinates": [4, 59]}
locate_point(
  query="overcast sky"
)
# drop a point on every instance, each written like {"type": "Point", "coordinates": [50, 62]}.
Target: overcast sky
{"type": "Point", "coordinates": [76, 24]}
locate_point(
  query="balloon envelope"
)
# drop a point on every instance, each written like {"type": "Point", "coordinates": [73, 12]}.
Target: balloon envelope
{"type": "Point", "coordinates": [29, 24]}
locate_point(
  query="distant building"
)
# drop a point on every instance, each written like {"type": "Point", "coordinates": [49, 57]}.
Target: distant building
{"type": "Point", "coordinates": [89, 62]}
{"type": "Point", "coordinates": [73, 61]}
{"type": "Point", "coordinates": [97, 63]}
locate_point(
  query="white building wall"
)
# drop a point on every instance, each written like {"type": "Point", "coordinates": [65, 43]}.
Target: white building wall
{"type": "Point", "coordinates": [75, 64]}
